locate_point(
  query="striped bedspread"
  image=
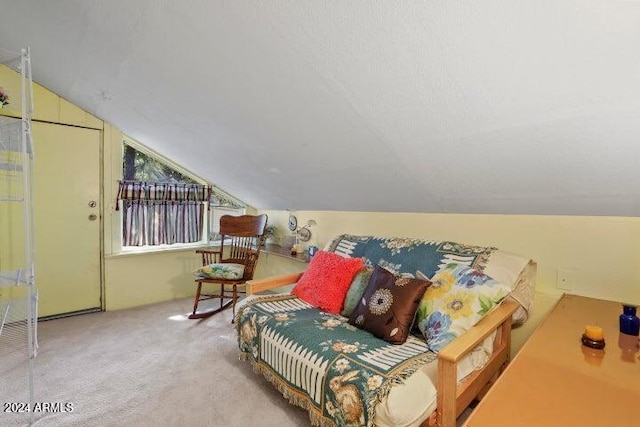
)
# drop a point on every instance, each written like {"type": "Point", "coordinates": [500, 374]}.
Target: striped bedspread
{"type": "Point", "coordinates": [322, 363]}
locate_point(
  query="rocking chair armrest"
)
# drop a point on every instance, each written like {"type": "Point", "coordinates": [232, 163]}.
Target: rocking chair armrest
{"type": "Point", "coordinates": [213, 255]}
{"type": "Point", "coordinates": [208, 251]}
{"type": "Point", "coordinates": [259, 285]}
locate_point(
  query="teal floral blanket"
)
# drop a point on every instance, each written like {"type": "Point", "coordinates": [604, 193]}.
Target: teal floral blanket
{"type": "Point", "coordinates": [407, 255]}
{"type": "Point", "coordinates": [318, 361]}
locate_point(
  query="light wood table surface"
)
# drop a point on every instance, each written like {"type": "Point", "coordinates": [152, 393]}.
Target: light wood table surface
{"type": "Point", "coordinates": [555, 381]}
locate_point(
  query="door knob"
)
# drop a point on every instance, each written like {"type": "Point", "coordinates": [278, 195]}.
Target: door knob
{"type": "Point", "coordinates": [93, 217]}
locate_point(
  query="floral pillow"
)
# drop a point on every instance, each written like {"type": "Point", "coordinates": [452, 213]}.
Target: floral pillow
{"type": "Point", "coordinates": [388, 306]}
{"type": "Point", "coordinates": [224, 270]}
{"type": "Point", "coordinates": [458, 298]}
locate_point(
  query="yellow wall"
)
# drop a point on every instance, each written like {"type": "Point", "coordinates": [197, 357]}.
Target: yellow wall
{"type": "Point", "coordinates": [48, 107]}
{"type": "Point", "coordinates": [601, 254]}
{"type": "Point", "coordinates": [127, 280]}
{"type": "Point", "coordinates": [134, 279]}
{"type": "Point", "coordinates": [12, 249]}
{"type": "Point", "coordinates": [138, 279]}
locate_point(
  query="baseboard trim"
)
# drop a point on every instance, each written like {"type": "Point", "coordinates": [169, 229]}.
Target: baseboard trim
{"type": "Point", "coordinates": [69, 314]}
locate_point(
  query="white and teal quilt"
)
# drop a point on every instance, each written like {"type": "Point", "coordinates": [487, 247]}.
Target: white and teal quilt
{"type": "Point", "coordinates": [322, 363]}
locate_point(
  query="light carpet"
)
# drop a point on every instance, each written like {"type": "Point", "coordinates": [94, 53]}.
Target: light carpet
{"type": "Point", "coordinates": [148, 366]}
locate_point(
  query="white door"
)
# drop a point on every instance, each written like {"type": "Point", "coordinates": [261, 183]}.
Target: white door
{"type": "Point", "coordinates": [67, 218]}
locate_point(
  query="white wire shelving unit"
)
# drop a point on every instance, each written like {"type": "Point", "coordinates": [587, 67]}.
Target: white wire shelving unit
{"type": "Point", "coordinates": [18, 291]}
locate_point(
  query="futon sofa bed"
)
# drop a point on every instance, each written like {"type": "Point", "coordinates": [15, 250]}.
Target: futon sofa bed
{"type": "Point", "coordinates": [387, 331]}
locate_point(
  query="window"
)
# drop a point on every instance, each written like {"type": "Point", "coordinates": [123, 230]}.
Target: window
{"type": "Point", "coordinates": [163, 205]}
{"type": "Point", "coordinates": [221, 204]}
{"type": "Point", "coordinates": [214, 218]}
{"type": "Point", "coordinates": [160, 205]}
{"type": "Point", "coordinates": [138, 166]}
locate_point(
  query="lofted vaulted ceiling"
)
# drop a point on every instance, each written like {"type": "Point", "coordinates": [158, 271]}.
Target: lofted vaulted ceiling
{"type": "Point", "coordinates": [479, 106]}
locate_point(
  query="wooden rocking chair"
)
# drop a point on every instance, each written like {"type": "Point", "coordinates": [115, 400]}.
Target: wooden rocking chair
{"type": "Point", "coordinates": [241, 240]}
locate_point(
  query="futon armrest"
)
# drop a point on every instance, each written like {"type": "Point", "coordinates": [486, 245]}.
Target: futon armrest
{"type": "Point", "coordinates": [452, 397]}
{"type": "Point", "coordinates": [466, 342]}
{"type": "Point", "coordinates": [259, 285]}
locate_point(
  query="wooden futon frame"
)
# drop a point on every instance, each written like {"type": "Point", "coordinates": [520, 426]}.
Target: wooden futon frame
{"type": "Point", "coordinates": [452, 398]}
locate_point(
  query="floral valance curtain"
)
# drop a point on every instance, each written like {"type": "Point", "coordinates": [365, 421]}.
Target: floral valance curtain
{"type": "Point", "coordinates": [159, 214]}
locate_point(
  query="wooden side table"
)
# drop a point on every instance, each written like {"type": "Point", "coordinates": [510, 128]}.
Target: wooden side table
{"type": "Point", "coordinates": [555, 381]}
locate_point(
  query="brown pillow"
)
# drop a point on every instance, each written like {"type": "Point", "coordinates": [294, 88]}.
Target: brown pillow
{"type": "Point", "coordinates": [388, 305]}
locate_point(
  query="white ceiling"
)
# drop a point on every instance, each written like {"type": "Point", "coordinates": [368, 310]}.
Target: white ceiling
{"type": "Point", "coordinates": [510, 107]}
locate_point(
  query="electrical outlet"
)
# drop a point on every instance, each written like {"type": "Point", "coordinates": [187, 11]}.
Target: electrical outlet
{"type": "Point", "coordinates": [564, 279]}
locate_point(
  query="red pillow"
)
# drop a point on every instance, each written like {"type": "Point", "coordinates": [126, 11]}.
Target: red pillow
{"type": "Point", "coordinates": [326, 281]}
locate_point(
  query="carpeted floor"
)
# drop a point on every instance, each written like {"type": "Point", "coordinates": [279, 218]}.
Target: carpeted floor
{"type": "Point", "coordinates": [147, 366]}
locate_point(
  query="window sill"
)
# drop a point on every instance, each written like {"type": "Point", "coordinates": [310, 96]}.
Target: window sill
{"type": "Point", "coordinates": [135, 251]}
